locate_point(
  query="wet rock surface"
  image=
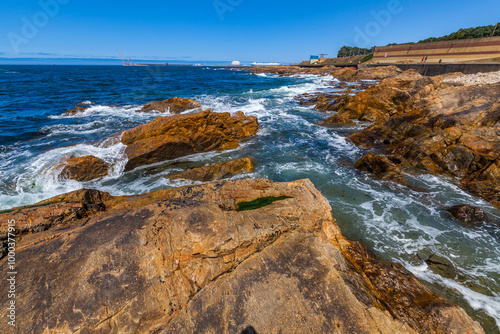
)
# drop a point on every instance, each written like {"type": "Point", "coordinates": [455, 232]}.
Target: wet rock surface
{"type": "Point", "coordinates": [174, 105]}
{"type": "Point", "coordinates": [75, 111]}
{"type": "Point", "coordinates": [176, 136]}
{"type": "Point", "coordinates": [382, 167]}
{"type": "Point", "coordinates": [185, 261]}
{"type": "Point", "coordinates": [449, 130]}
{"type": "Point", "coordinates": [468, 214]}
{"type": "Point", "coordinates": [85, 168]}
{"type": "Point", "coordinates": [323, 101]}
{"type": "Point", "coordinates": [218, 171]}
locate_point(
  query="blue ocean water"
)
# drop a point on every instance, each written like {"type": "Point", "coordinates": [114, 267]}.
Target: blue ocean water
{"type": "Point", "coordinates": [395, 222]}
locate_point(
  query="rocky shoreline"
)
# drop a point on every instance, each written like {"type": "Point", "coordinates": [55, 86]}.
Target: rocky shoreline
{"type": "Point", "coordinates": [186, 260]}
{"type": "Point", "coordinates": [253, 255]}
{"type": "Point", "coordinates": [442, 127]}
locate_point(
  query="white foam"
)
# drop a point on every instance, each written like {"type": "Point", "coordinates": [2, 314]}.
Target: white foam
{"type": "Point", "coordinates": [102, 110]}
{"type": "Point", "coordinates": [489, 304]}
{"type": "Point", "coordinates": [42, 179]}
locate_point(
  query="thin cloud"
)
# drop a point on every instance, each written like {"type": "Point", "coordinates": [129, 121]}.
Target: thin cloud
{"type": "Point", "coordinates": [39, 54]}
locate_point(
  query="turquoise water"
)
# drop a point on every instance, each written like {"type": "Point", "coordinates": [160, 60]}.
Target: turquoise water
{"type": "Point", "coordinates": [396, 223]}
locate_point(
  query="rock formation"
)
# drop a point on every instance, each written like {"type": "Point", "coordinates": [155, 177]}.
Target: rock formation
{"type": "Point", "coordinates": [468, 214]}
{"type": "Point", "coordinates": [76, 110]}
{"type": "Point", "coordinates": [174, 105]}
{"type": "Point", "coordinates": [367, 73]}
{"type": "Point", "coordinates": [186, 261]}
{"type": "Point", "coordinates": [439, 128]}
{"type": "Point", "coordinates": [217, 171]}
{"type": "Point", "coordinates": [323, 101]}
{"type": "Point", "coordinates": [350, 73]}
{"type": "Point", "coordinates": [385, 168]}
{"type": "Point", "coordinates": [85, 168]}
{"type": "Point", "coordinates": [176, 136]}
{"type": "Point", "coordinates": [292, 70]}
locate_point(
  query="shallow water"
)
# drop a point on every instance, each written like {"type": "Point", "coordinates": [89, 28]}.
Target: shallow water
{"type": "Point", "coordinates": [396, 223]}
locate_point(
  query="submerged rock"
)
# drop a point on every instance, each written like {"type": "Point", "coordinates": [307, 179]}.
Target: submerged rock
{"type": "Point", "coordinates": [471, 215]}
{"type": "Point", "coordinates": [174, 105]}
{"type": "Point", "coordinates": [218, 171]}
{"type": "Point", "coordinates": [85, 168]}
{"type": "Point", "coordinates": [176, 136]}
{"type": "Point", "coordinates": [186, 261]}
{"type": "Point", "coordinates": [386, 168]}
{"type": "Point", "coordinates": [76, 110]}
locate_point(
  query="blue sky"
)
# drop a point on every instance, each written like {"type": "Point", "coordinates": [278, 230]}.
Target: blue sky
{"type": "Point", "coordinates": [224, 30]}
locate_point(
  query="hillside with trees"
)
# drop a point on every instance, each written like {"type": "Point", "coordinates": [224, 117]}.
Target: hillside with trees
{"type": "Point", "coordinates": [477, 32]}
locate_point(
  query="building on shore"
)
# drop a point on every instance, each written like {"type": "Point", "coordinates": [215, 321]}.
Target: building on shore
{"type": "Point", "coordinates": [313, 60]}
{"type": "Point", "coordinates": [455, 51]}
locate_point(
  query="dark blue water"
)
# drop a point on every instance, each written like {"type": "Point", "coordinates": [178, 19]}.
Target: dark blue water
{"type": "Point", "coordinates": [393, 221]}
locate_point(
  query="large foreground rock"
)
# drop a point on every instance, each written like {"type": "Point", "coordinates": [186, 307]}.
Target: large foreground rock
{"type": "Point", "coordinates": [176, 136]}
{"type": "Point", "coordinates": [186, 261]}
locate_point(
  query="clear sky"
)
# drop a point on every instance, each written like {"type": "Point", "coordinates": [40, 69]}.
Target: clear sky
{"type": "Point", "coordinates": [225, 30]}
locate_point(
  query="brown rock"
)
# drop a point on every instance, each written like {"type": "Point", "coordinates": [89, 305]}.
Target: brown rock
{"type": "Point", "coordinates": [378, 103]}
{"type": "Point", "coordinates": [180, 135]}
{"type": "Point", "coordinates": [344, 73]}
{"type": "Point", "coordinates": [292, 70]}
{"type": "Point", "coordinates": [338, 119]}
{"type": "Point", "coordinates": [85, 168]}
{"type": "Point", "coordinates": [436, 127]}
{"type": "Point", "coordinates": [350, 73]}
{"type": "Point", "coordinates": [218, 171]}
{"type": "Point", "coordinates": [471, 215]}
{"type": "Point", "coordinates": [367, 73]}
{"type": "Point", "coordinates": [382, 167]}
{"type": "Point", "coordinates": [323, 101]}
{"type": "Point", "coordinates": [75, 110]}
{"type": "Point", "coordinates": [184, 261]}
{"type": "Point", "coordinates": [57, 211]}
{"type": "Point", "coordinates": [174, 105]}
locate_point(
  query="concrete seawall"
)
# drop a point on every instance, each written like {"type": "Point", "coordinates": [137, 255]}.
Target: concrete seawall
{"type": "Point", "coordinates": [455, 51]}
{"type": "Point", "coordinates": [438, 69]}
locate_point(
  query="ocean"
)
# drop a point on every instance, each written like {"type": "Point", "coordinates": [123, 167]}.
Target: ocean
{"type": "Point", "coordinates": [398, 224]}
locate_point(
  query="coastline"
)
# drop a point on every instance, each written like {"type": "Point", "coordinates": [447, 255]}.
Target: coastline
{"type": "Point", "coordinates": [70, 215]}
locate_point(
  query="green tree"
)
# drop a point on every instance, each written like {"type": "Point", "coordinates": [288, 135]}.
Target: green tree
{"type": "Point", "coordinates": [477, 32]}
{"type": "Point", "coordinates": [347, 51]}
